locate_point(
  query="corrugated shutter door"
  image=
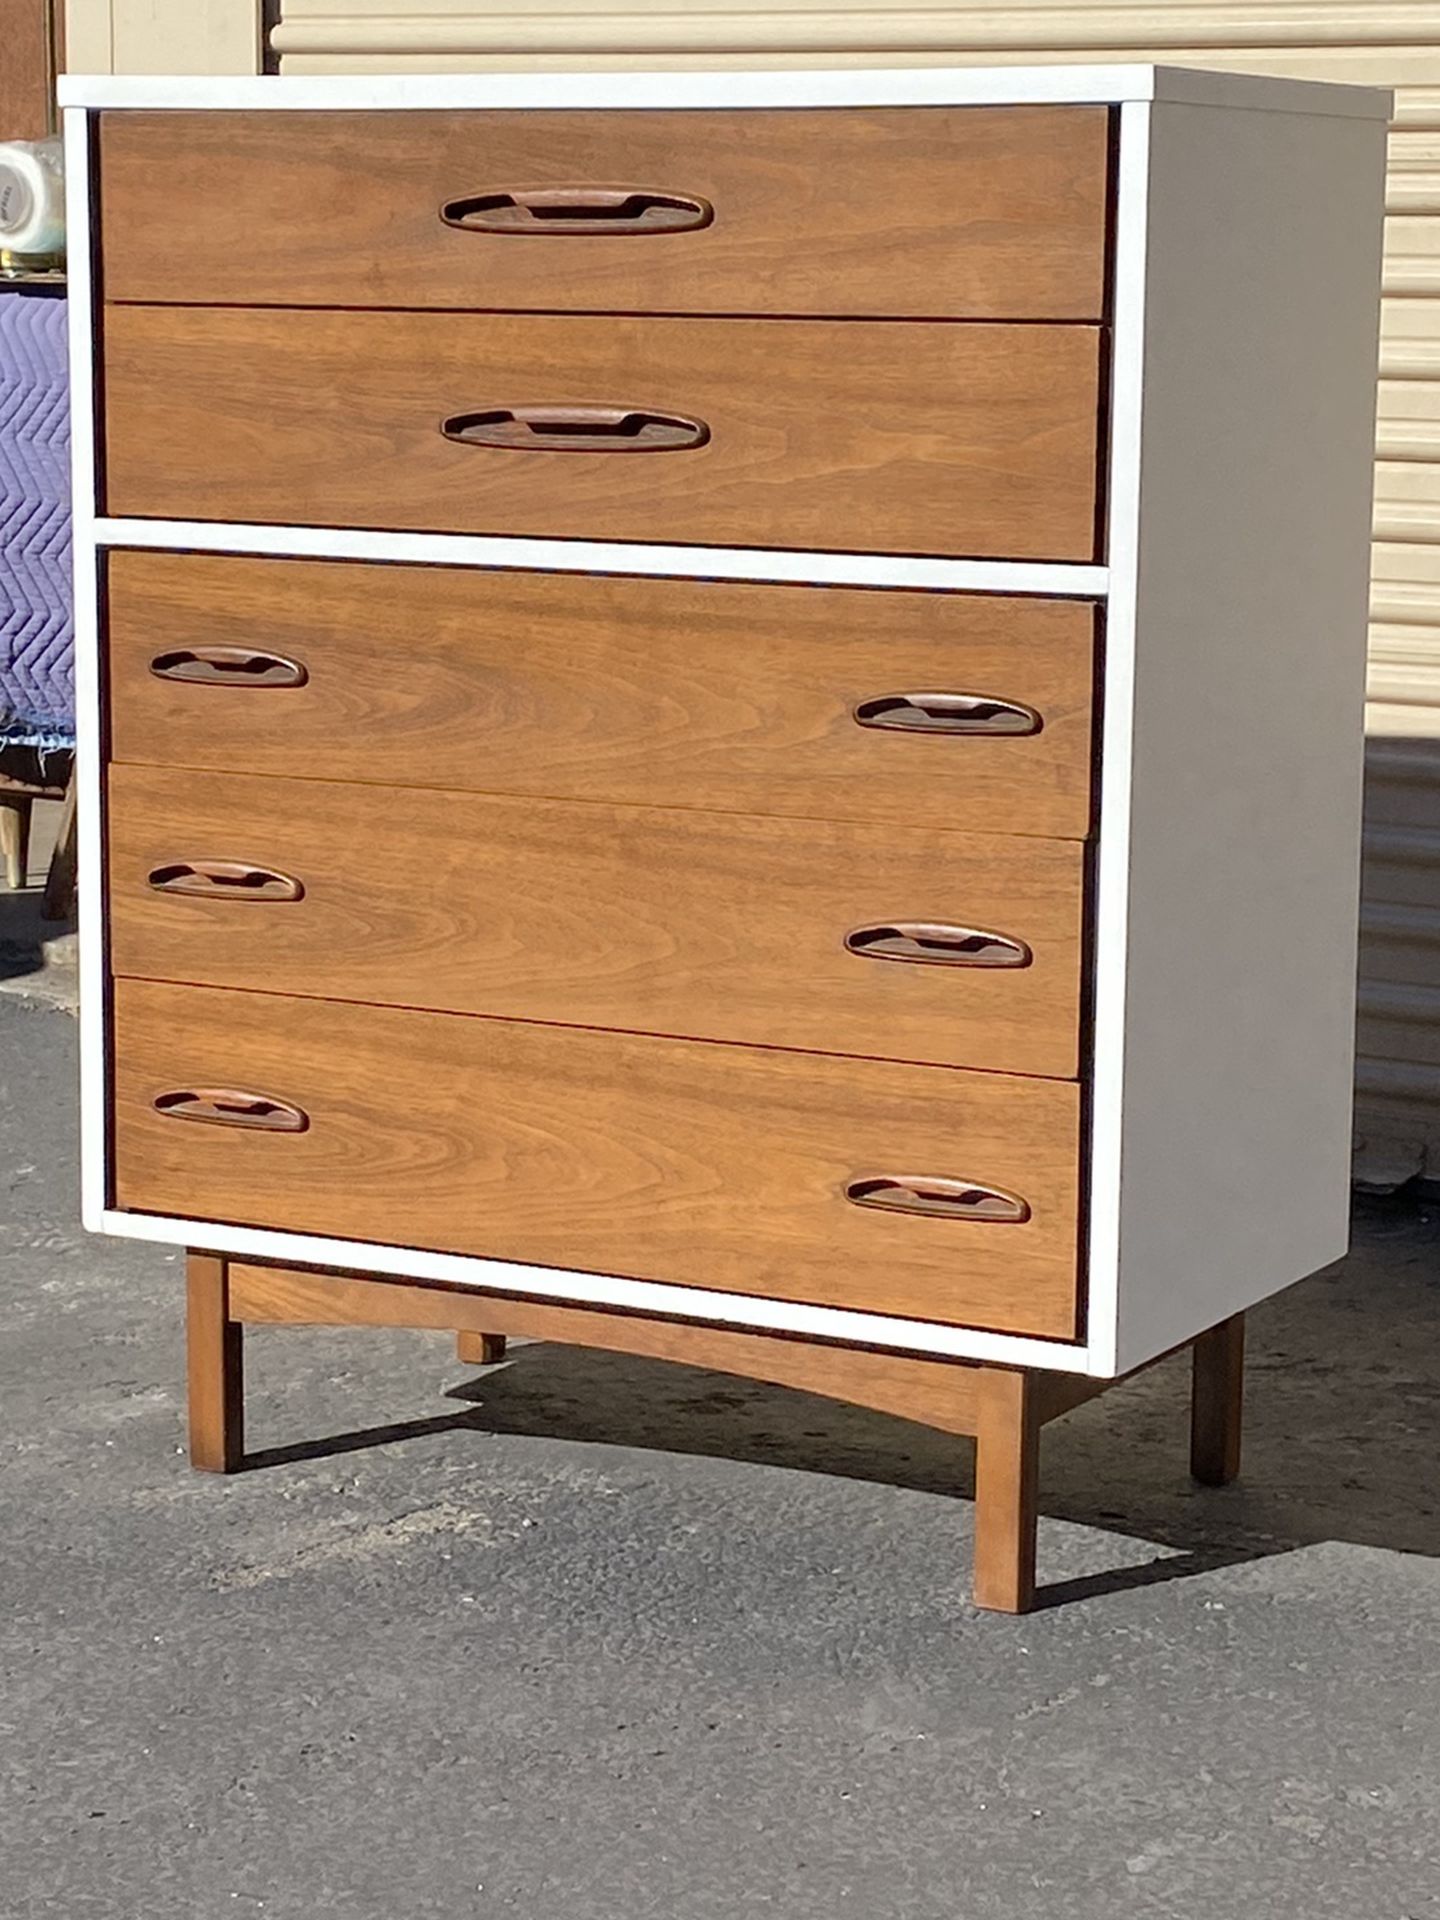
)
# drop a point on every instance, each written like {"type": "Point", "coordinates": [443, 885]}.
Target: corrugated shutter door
{"type": "Point", "coordinates": [1396, 45]}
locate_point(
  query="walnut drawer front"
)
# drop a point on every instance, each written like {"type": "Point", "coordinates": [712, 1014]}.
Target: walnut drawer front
{"type": "Point", "coordinates": [987, 213]}
{"type": "Point", "coordinates": [958, 949]}
{"type": "Point", "coordinates": [718, 1167]}
{"type": "Point", "coordinates": [851, 436]}
{"type": "Point", "coordinates": [656, 692]}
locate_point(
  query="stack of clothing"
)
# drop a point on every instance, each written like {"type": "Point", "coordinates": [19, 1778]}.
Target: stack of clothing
{"type": "Point", "coordinates": [37, 632]}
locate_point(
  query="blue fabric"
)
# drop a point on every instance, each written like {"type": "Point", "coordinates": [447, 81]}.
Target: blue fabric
{"type": "Point", "coordinates": [37, 632]}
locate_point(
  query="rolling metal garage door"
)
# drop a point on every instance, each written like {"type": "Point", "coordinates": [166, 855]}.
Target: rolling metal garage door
{"type": "Point", "coordinates": [1383, 42]}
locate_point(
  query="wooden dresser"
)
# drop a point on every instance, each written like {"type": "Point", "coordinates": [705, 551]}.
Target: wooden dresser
{"type": "Point", "coordinates": [721, 717]}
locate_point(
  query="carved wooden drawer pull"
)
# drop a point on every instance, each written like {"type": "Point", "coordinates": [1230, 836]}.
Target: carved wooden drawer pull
{"type": "Point", "coordinates": [228, 667]}
{"type": "Point", "coordinates": [935, 1195]}
{"type": "Point", "coordinates": [577, 209]}
{"type": "Point", "coordinates": [927, 943]}
{"type": "Point", "coordinates": [578, 429]}
{"type": "Point", "coordinates": [955, 713]}
{"type": "Point", "coordinates": [232, 1107]}
{"type": "Point", "coordinates": [225, 880]}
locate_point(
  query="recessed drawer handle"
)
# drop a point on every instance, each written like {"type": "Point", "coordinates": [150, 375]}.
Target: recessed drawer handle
{"type": "Point", "coordinates": [939, 1197]}
{"type": "Point", "coordinates": [577, 209]}
{"type": "Point", "coordinates": [928, 943]}
{"type": "Point", "coordinates": [947, 713]}
{"type": "Point", "coordinates": [229, 1107]}
{"type": "Point", "coordinates": [548, 429]}
{"type": "Point", "coordinates": [228, 667]}
{"type": "Point", "coordinates": [225, 880]}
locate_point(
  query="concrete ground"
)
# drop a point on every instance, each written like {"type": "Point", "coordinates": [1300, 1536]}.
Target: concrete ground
{"type": "Point", "coordinates": [588, 1638]}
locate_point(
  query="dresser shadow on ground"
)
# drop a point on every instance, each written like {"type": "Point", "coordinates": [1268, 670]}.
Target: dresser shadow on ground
{"type": "Point", "coordinates": [1342, 1425]}
{"type": "Point", "coordinates": [22, 933]}
{"type": "Point", "coordinates": [28, 941]}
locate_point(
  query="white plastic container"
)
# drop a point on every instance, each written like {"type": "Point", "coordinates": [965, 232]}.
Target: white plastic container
{"type": "Point", "coordinates": [32, 199]}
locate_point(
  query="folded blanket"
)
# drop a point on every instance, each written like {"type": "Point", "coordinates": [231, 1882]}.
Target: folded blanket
{"type": "Point", "coordinates": [37, 689]}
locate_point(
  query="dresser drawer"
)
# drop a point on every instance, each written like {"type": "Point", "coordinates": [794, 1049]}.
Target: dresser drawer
{"type": "Point", "coordinates": [988, 213]}
{"type": "Point", "coordinates": [958, 949]}
{"type": "Point", "coordinates": [936, 438]}
{"type": "Point", "coordinates": [706, 1166]}
{"type": "Point", "coordinates": [661, 692]}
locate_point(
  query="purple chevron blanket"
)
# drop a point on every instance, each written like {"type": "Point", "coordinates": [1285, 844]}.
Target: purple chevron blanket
{"type": "Point", "coordinates": [37, 691]}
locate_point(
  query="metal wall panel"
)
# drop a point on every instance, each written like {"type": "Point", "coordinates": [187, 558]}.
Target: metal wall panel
{"type": "Point", "coordinates": [1382, 42]}
{"type": "Point", "coordinates": [163, 36]}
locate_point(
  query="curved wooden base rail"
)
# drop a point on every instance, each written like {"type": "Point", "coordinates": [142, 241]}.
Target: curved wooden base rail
{"type": "Point", "coordinates": [1003, 1408]}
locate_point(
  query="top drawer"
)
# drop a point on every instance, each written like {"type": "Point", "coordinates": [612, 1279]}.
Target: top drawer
{"type": "Point", "coordinates": [937, 212]}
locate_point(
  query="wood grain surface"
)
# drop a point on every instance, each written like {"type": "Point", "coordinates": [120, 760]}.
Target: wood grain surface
{"type": "Point", "coordinates": [847, 436]}
{"type": "Point", "coordinates": [659, 692]}
{"type": "Point", "coordinates": [940, 1393]}
{"type": "Point", "coordinates": [1217, 1404]}
{"type": "Point", "coordinates": [719, 926]}
{"type": "Point", "coordinates": [28, 62]}
{"type": "Point", "coordinates": [710, 1166]}
{"type": "Point", "coordinates": [215, 1367]}
{"type": "Point", "coordinates": [1007, 1480]}
{"type": "Point", "coordinates": [989, 213]}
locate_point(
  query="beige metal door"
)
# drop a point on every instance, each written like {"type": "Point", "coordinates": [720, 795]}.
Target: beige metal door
{"type": "Point", "coordinates": [164, 36]}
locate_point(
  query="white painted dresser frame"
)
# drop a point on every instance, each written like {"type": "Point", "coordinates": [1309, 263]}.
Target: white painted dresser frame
{"type": "Point", "coordinates": [1235, 572]}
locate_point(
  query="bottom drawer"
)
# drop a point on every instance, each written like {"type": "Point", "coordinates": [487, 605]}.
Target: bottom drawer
{"type": "Point", "coordinates": [742, 1169]}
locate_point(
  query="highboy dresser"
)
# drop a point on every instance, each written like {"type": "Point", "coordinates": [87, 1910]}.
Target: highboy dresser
{"type": "Point", "coordinates": [722, 717]}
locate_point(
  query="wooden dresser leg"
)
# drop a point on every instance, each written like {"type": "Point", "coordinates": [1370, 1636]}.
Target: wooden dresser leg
{"type": "Point", "coordinates": [479, 1349]}
{"type": "Point", "coordinates": [1007, 1461]}
{"type": "Point", "coordinates": [15, 810]}
{"type": "Point", "coordinates": [59, 898]}
{"type": "Point", "coordinates": [1217, 1402]}
{"type": "Point", "coordinates": [216, 1367]}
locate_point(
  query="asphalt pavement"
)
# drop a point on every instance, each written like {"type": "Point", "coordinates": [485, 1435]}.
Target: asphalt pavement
{"type": "Point", "coordinates": [591, 1638]}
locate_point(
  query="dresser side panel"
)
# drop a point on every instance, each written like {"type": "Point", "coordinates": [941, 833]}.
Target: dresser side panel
{"type": "Point", "coordinates": [1262, 310]}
